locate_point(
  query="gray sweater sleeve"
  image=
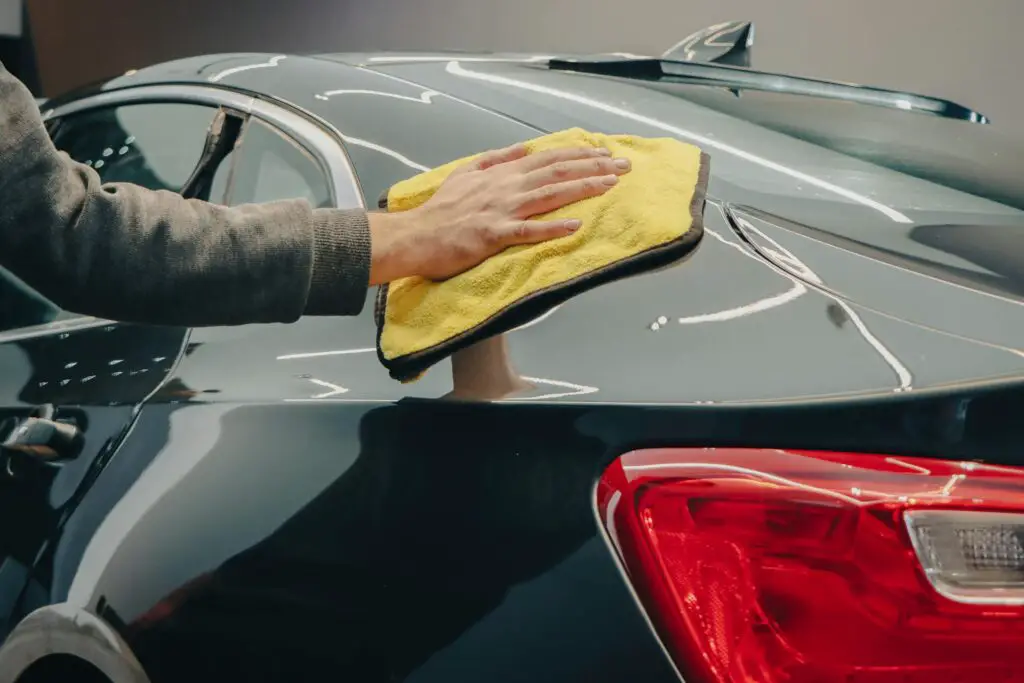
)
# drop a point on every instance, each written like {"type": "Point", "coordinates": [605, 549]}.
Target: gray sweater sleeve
{"type": "Point", "coordinates": [122, 252]}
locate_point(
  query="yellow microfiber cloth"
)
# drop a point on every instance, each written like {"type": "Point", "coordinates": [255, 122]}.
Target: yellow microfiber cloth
{"type": "Point", "coordinates": [652, 217]}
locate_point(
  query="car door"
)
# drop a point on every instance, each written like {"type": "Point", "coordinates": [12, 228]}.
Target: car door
{"type": "Point", "coordinates": [78, 377]}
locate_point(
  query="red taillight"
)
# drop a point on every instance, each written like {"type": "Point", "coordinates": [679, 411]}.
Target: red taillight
{"type": "Point", "coordinates": [777, 566]}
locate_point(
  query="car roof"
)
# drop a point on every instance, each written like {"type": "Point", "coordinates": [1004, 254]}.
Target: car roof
{"type": "Point", "coordinates": [208, 68]}
{"type": "Point", "coordinates": [212, 67]}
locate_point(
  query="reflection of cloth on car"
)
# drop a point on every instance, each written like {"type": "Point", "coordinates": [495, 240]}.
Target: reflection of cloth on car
{"type": "Point", "coordinates": [421, 539]}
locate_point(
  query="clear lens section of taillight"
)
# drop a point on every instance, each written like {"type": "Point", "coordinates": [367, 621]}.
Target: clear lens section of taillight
{"type": "Point", "coordinates": [798, 567]}
{"type": "Point", "coordinates": [974, 557]}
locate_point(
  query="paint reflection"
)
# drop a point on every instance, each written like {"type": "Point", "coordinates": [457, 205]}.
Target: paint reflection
{"type": "Point", "coordinates": [270, 63]}
{"type": "Point", "coordinates": [385, 567]}
{"type": "Point", "coordinates": [455, 68]}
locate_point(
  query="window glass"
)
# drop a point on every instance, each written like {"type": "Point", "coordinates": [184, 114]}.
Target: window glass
{"type": "Point", "coordinates": [270, 166]}
{"type": "Point", "coordinates": [221, 179]}
{"type": "Point", "coordinates": [153, 145]}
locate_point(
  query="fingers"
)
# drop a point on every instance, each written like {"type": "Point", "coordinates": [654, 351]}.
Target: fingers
{"type": "Point", "coordinates": [557, 195]}
{"type": "Point", "coordinates": [575, 169]}
{"type": "Point", "coordinates": [532, 162]}
{"type": "Point", "coordinates": [526, 162]}
{"type": "Point", "coordinates": [532, 232]}
{"type": "Point", "coordinates": [495, 157]}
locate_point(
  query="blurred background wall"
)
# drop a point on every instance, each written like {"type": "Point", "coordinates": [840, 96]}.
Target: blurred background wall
{"type": "Point", "coordinates": [16, 49]}
{"type": "Point", "coordinates": [951, 48]}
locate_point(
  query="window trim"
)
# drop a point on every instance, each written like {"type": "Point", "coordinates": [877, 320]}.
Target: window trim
{"type": "Point", "coordinates": [85, 322]}
{"type": "Point", "coordinates": [314, 137]}
{"type": "Point", "coordinates": [313, 134]}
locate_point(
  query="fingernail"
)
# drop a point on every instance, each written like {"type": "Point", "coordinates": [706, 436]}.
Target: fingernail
{"type": "Point", "coordinates": [610, 179]}
{"type": "Point", "coordinates": [602, 151]}
{"type": "Point", "coordinates": [623, 164]}
{"type": "Point", "coordinates": [573, 224]}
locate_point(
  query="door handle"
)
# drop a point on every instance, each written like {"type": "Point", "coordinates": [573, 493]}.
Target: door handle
{"type": "Point", "coordinates": [41, 436]}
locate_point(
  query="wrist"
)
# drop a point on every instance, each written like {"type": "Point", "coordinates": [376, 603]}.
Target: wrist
{"type": "Point", "coordinates": [391, 257]}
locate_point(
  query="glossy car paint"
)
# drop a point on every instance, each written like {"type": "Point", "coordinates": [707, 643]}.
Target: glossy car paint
{"type": "Point", "coordinates": [96, 375]}
{"type": "Point", "coordinates": [280, 506]}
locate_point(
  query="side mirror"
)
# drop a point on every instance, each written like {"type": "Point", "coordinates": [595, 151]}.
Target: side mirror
{"type": "Point", "coordinates": [727, 43]}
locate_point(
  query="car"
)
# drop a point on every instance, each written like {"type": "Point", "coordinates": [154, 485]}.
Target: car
{"type": "Point", "coordinates": [794, 457]}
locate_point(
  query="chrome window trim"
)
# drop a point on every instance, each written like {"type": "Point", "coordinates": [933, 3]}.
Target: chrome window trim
{"type": "Point", "coordinates": [154, 93]}
{"type": "Point", "coordinates": [75, 324]}
{"type": "Point", "coordinates": [327, 149]}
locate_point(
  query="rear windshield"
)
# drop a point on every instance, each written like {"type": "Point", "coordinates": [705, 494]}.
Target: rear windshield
{"type": "Point", "coordinates": [977, 158]}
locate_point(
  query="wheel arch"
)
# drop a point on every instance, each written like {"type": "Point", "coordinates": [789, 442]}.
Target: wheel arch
{"type": "Point", "coordinates": [67, 630]}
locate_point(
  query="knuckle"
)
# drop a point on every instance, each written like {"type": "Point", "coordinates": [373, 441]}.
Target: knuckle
{"type": "Point", "coordinates": [492, 238]}
{"type": "Point", "coordinates": [520, 231]}
{"type": "Point", "coordinates": [584, 187]}
{"type": "Point", "coordinates": [544, 195]}
{"type": "Point", "coordinates": [541, 195]}
{"type": "Point", "coordinates": [561, 170]}
{"type": "Point", "coordinates": [543, 160]}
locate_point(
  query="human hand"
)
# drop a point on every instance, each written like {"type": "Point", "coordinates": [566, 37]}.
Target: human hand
{"type": "Point", "coordinates": [485, 207]}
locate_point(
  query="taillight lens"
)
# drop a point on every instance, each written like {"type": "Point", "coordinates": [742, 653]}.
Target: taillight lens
{"type": "Point", "coordinates": [780, 566]}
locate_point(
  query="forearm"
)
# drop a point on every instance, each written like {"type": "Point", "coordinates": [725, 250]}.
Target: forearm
{"type": "Point", "coordinates": [122, 252]}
